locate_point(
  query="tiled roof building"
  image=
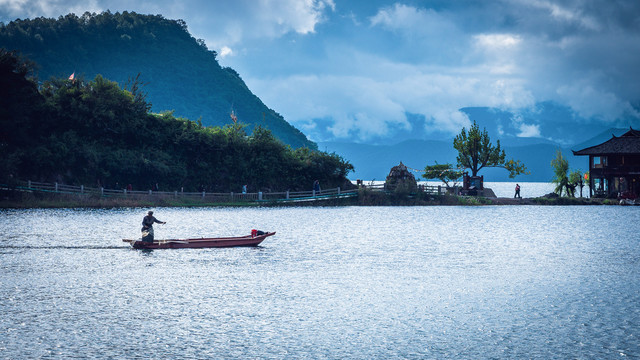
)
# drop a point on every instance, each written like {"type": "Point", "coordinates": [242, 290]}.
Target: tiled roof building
{"type": "Point", "coordinates": [614, 166]}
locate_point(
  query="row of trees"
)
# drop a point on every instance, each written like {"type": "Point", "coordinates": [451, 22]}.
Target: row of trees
{"type": "Point", "coordinates": [85, 132]}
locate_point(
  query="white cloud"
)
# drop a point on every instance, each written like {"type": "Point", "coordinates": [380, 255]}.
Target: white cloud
{"type": "Point", "coordinates": [529, 130]}
{"type": "Point", "coordinates": [447, 120]}
{"type": "Point", "coordinates": [509, 94]}
{"type": "Point", "coordinates": [374, 95]}
{"type": "Point", "coordinates": [400, 16]}
{"type": "Point", "coordinates": [301, 15]}
{"type": "Point", "coordinates": [357, 106]}
{"type": "Point", "coordinates": [566, 13]}
{"type": "Point", "coordinates": [590, 102]}
{"type": "Point", "coordinates": [498, 42]}
{"type": "Point", "coordinates": [413, 21]}
{"type": "Point", "coordinates": [12, 6]}
{"type": "Point", "coordinates": [425, 33]}
{"type": "Point", "coordinates": [225, 51]}
{"type": "Point", "coordinates": [524, 129]}
{"type": "Point", "coordinates": [243, 20]}
{"type": "Point", "coordinates": [11, 9]}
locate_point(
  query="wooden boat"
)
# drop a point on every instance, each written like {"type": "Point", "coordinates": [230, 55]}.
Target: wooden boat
{"type": "Point", "coordinates": [248, 240]}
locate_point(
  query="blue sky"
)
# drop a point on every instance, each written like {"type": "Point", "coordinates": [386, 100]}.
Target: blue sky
{"type": "Point", "coordinates": [362, 69]}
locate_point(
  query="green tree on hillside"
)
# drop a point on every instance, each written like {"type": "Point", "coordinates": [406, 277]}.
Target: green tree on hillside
{"type": "Point", "coordinates": [94, 132]}
{"type": "Point", "coordinates": [183, 75]}
{"type": "Point", "coordinates": [21, 108]}
{"type": "Point", "coordinates": [476, 152]}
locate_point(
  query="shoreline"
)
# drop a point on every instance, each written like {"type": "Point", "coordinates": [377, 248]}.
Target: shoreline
{"type": "Point", "coordinates": [365, 198]}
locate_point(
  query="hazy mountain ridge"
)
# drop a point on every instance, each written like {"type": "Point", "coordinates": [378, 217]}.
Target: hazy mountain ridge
{"type": "Point", "coordinates": [544, 123]}
{"type": "Point", "coordinates": [180, 73]}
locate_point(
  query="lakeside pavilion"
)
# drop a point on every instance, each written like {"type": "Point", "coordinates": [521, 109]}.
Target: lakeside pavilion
{"type": "Point", "coordinates": [614, 166]}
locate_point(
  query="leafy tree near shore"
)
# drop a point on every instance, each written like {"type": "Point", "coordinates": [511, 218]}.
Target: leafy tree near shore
{"type": "Point", "coordinates": [443, 172]}
{"type": "Point", "coordinates": [94, 132]}
{"type": "Point", "coordinates": [575, 179]}
{"type": "Point", "coordinates": [560, 168]}
{"type": "Point", "coordinates": [476, 152]}
{"type": "Point", "coordinates": [20, 106]}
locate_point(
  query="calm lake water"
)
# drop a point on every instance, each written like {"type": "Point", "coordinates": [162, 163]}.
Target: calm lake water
{"type": "Point", "coordinates": [334, 283]}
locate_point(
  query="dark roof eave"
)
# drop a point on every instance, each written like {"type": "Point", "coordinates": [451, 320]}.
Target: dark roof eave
{"type": "Point", "coordinates": [603, 153]}
{"type": "Point", "coordinates": [629, 144]}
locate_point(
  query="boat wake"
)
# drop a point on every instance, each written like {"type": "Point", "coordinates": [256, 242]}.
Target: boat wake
{"type": "Point", "coordinates": [62, 247]}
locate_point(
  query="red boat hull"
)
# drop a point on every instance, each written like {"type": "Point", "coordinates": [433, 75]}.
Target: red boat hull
{"type": "Point", "coordinates": [200, 242]}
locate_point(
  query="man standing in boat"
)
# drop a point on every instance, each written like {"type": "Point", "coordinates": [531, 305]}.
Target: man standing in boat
{"type": "Point", "coordinates": [147, 226]}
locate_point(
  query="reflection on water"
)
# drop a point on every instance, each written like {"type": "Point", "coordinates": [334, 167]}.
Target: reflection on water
{"type": "Point", "coordinates": [356, 282]}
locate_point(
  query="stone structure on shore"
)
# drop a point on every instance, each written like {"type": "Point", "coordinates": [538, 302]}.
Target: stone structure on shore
{"type": "Point", "coordinates": [400, 179]}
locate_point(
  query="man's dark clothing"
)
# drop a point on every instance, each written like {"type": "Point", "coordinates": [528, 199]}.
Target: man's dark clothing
{"type": "Point", "coordinates": [148, 221]}
{"type": "Point", "coordinates": [147, 227]}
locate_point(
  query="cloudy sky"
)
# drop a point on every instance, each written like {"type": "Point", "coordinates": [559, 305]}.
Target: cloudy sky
{"type": "Point", "coordinates": [363, 69]}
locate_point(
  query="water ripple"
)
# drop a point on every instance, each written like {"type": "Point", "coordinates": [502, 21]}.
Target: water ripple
{"type": "Point", "coordinates": [361, 283]}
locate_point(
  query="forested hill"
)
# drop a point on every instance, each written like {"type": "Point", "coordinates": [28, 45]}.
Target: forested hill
{"type": "Point", "coordinates": [178, 71]}
{"type": "Point", "coordinates": [94, 132]}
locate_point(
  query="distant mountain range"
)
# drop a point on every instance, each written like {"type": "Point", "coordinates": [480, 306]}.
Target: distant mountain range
{"type": "Point", "coordinates": [180, 73]}
{"type": "Point", "coordinates": [544, 123]}
{"type": "Point", "coordinates": [373, 162]}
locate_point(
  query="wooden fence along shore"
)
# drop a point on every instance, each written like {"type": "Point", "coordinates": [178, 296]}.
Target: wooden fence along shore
{"type": "Point", "coordinates": [211, 197]}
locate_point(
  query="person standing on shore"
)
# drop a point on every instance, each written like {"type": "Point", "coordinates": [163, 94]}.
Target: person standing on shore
{"type": "Point", "coordinates": [147, 226]}
{"type": "Point", "coordinates": [517, 195]}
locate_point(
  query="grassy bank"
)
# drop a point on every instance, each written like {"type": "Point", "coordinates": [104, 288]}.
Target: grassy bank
{"type": "Point", "coordinates": [43, 200]}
